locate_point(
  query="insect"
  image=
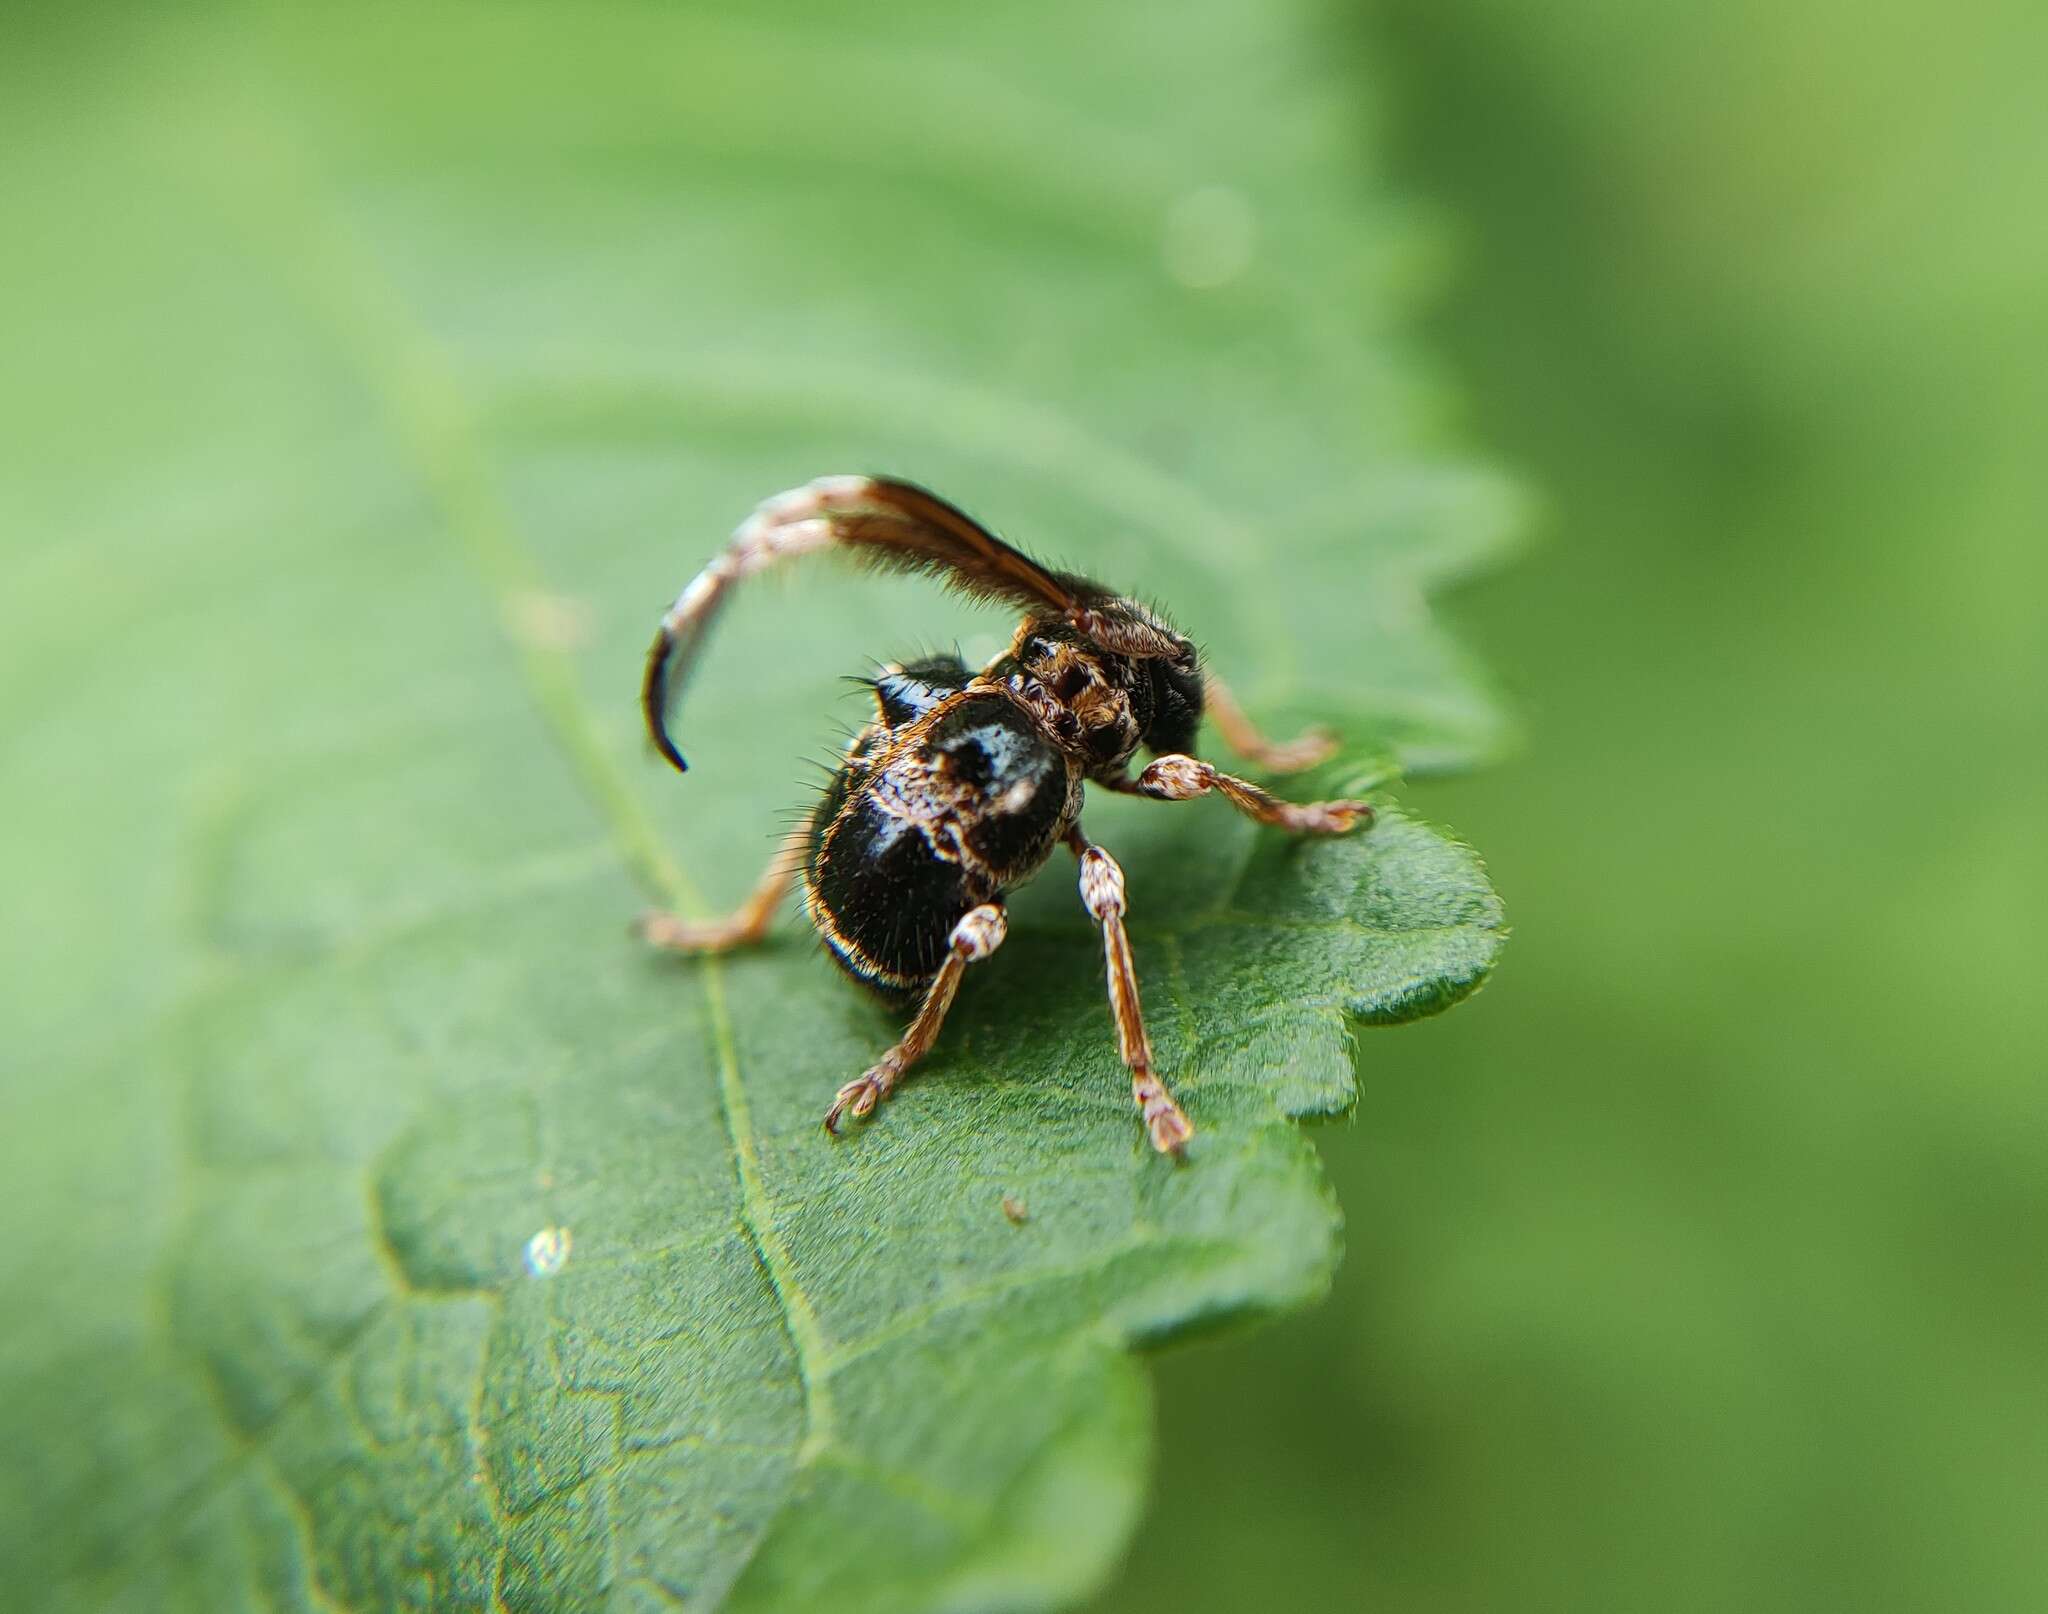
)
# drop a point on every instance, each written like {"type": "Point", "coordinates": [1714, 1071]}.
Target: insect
{"type": "Point", "coordinates": [965, 783]}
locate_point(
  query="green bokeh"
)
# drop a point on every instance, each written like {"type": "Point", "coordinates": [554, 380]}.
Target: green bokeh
{"type": "Point", "coordinates": [376, 377]}
{"type": "Point", "coordinates": [1699, 1265]}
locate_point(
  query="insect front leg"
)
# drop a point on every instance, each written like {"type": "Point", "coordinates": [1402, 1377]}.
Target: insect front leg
{"type": "Point", "coordinates": [1102, 893]}
{"type": "Point", "coordinates": [979, 933]}
{"type": "Point", "coordinates": [745, 925]}
{"type": "Point", "coordinates": [1242, 735]}
{"type": "Point", "coordinates": [1182, 778]}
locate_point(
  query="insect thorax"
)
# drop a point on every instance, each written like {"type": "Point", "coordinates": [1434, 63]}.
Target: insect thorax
{"type": "Point", "coordinates": [1096, 704]}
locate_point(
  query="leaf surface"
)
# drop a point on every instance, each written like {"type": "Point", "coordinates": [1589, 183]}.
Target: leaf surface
{"type": "Point", "coordinates": [401, 1235]}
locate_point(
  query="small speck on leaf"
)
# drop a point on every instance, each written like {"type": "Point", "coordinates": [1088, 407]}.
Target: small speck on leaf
{"type": "Point", "coordinates": [1016, 1210]}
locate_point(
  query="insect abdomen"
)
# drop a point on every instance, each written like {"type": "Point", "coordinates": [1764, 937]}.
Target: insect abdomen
{"type": "Point", "coordinates": [884, 903]}
{"type": "Point", "coordinates": [925, 822]}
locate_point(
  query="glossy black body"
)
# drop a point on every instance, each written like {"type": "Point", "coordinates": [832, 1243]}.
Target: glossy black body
{"type": "Point", "coordinates": [948, 799]}
{"type": "Point", "coordinates": [964, 783]}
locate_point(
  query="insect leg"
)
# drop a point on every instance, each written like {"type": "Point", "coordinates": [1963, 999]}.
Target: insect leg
{"type": "Point", "coordinates": [1182, 778]}
{"type": "Point", "coordinates": [1102, 893]}
{"type": "Point", "coordinates": [1242, 735]}
{"type": "Point", "coordinates": [979, 933]}
{"type": "Point", "coordinates": [746, 924]}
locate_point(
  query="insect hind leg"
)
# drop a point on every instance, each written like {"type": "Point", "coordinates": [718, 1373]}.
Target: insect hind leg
{"type": "Point", "coordinates": [980, 932]}
{"type": "Point", "coordinates": [745, 926]}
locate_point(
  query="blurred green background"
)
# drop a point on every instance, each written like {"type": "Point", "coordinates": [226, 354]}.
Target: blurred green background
{"type": "Point", "coordinates": [1699, 1264]}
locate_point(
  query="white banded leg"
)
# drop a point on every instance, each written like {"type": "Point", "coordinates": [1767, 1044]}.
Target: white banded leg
{"type": "Point", "coordinates": [1102, 893]}
{"type": "Point", "coordinates": [1175, 777]}
{"type": "Point", "coordinates": [979, 933]}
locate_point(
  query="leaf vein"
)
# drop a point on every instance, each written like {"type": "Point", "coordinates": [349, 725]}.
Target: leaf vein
{"type": "Point", "coordinates": [414, 382]}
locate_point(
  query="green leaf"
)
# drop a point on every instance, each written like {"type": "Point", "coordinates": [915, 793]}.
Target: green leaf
{"type": "Point", "coordinates": [392, 1231]}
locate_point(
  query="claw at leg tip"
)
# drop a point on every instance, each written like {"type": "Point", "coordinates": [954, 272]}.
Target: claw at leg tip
{"type": "Point", "coordinates": [1171, 1135]}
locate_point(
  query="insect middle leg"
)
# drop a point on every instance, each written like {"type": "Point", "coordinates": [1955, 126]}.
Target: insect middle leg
{"type": "Point", "coordinates": [1175, 777]}
{"type": "Point", "coordinates": [979, 933]}
{"type": "Point", "coordinates": [746, 924]}
{"type": "Point", "coordinates": [1102, 892]}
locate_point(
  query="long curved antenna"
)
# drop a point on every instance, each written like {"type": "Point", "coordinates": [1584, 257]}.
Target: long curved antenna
{"type": "Point", "coordinates": [898, 526]}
